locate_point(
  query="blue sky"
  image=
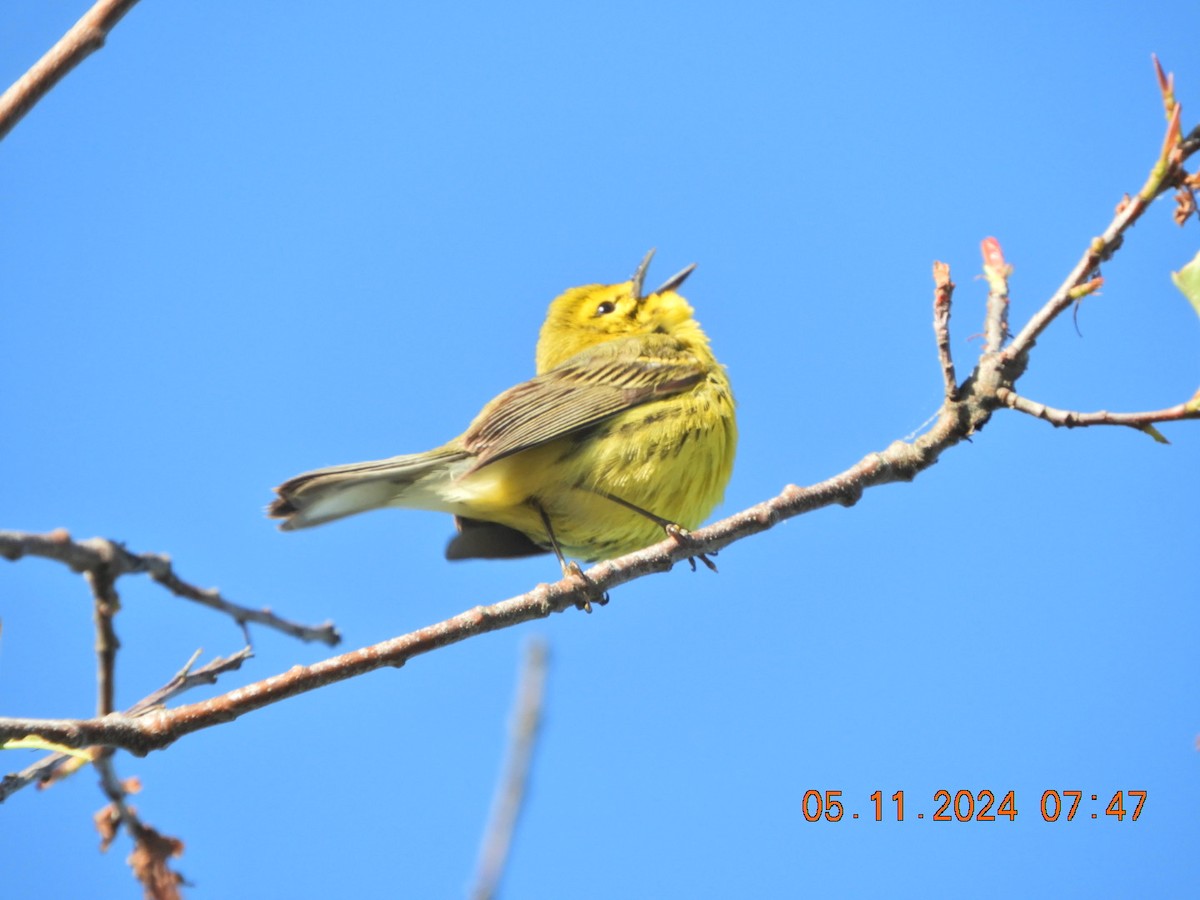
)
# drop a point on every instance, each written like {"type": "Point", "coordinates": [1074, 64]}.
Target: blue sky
{"type": "Point", "coordinates": [241, 243]}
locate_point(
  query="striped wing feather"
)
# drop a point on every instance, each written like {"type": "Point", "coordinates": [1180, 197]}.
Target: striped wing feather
{"type": "Point", "coordinates": [592, 386]}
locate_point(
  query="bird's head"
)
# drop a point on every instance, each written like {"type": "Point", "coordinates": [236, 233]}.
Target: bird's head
{"type": "Point", "coordinates": [585, 316]}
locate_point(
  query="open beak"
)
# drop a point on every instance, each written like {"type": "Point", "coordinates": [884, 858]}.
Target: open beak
{"type": "Point", "coordinates": [639, 277]}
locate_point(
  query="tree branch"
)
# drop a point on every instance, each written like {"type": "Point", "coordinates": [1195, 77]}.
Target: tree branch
{"type": "Point", "coordinates": [106, 604]}
{"type": "Point", "coordinates": [85, 38]}
{"type": "Point", "coordinates": [102, 555]}
{"type": "Point", "coordinates": [996, 271]}
{"type": "Point", "coordinates": [57, 766]}
{"type": "Point", "coordinates": [152, 850]}
{"type": "Point", "coordinates": [524, 723]}
{"type": "Point", "coordinates": [899, 462]}
{"type": "Point", "coordinates": [1167, 172]}
{"type": "Point", "coordinates": [943, 293]}
{"type": "Point", "coordinates": [1142, 421]}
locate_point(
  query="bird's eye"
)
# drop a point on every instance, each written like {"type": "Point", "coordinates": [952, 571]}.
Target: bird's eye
{"type": "Point", "coordinates": [605, 308]}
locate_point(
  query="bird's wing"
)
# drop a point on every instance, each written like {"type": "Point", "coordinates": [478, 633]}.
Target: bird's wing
{"type": "Point", "coordinates": [589, 387]}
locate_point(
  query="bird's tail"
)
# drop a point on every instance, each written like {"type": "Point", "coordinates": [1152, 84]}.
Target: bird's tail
{"type": "Point", "coordinates": [323, 495]}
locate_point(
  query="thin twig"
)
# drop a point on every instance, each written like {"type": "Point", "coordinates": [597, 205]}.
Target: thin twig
{"type": "Point", "coordinates": [1166, 173]}
{"type": "Point", "coordinates": [187, 678]}
{"type": "Point", "coordinates": [85, 37]}
{"type": "Point", "coordinates": [152, 850]}
{"type": "Point", "coordinates": [95, 554]}
{"type": "Point", "coordinates": [523, 729]}
{"type": "Point", "coordinates": [57, 766]}
{"type": "Point", "coordinates": [116, 793]}
{"type": "Point", "coordinates": [106, 603]}
{"type": "Point", "coordinates": [1142, 421]}
{"type": "Point", "coordinates": [996, 271]}
{"type": "Point", "coordinates": [943, 292]}
{"type": "Point", "coordinates": [44, 772]}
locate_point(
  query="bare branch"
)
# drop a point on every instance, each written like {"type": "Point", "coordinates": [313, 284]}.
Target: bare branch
{"type": "Point", "coordinates": [58, 766]}
{"type": "Point", "coordinates": [106, 604]}
{"type": "Point", "coordinates": [1142, 421]}
{"type": "Point", "coordinates": [101, 554]}
{"type": "Point", "coordinates": [85, 37]}
{"type": "Point", "coordinates": [1166, 173]}
{"type": "Point", "coordinates": [187, 678]}
{"type": "Point", "coordinates": [899, 462]}
{"type": "Point", "coordinates": [943, 292]}
{"type": "Point", "coordinates": [510, 791]}
{"type": "Point", "coordinates": [996, 271]}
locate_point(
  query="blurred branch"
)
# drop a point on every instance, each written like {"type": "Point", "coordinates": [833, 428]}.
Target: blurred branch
{"type": "Point", "coordinates": [187, 678]}
{"type": "Point", "coordinates": [152, 850]}
{"type": "Point", "coordinates": [100, 556]}
{"type": "Point", "coordinates": [85, 38]}
{"type": "Point", "coordinates": [524, 723]}
{"type": "Point", "coordinates": [106, 603]}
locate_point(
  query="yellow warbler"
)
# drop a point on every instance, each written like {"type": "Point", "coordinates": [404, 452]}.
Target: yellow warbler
{"type": "Point", "coordinates": [627, 430]}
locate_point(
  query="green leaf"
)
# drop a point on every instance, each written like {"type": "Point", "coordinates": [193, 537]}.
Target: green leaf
{"type": "Point", "coordinates": [33, 742]}
{"type": "Point", "coordinates": [1154, 433]}
{"type": "Point", "coordinates": [1187, 280]}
